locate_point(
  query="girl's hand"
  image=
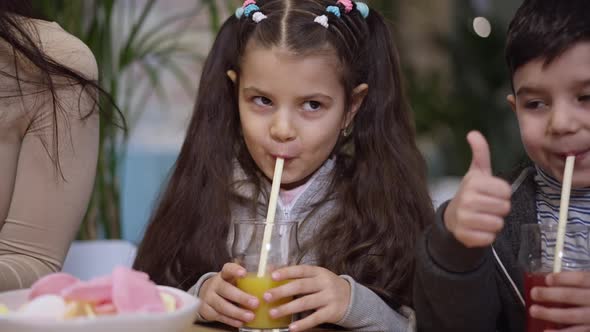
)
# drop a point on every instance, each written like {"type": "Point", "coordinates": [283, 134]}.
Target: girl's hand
{"type": "Point", "coordinates": [319, 289]}
{"type": "Point", "coordinates": [219, 298]}
{"type": "Point", "coordinates": [476, 214]}
{"type": "Point", "coordinates": [571, 289]}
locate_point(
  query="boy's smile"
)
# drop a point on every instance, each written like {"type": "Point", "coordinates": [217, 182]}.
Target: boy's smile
{"type": "Point", "coordinates": [552, 104]}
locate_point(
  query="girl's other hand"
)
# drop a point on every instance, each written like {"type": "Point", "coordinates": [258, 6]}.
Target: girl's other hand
{"type": "Point", "coordinates": [571, 289]}
{"type": "Point", "coordinates": [317, 288]}
{"type": "Point", "coordinates": [219, 298]}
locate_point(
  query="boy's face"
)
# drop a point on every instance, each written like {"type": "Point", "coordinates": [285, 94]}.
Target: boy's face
{"type": "Point", "coordinates": [552, 104]}
{"type": "Point", "coordinates": [292, 107]}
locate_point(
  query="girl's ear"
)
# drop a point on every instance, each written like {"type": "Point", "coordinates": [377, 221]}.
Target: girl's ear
{"type": "Point", "coordinates": [233, 76]}
{"type": "Point", "coordinates": [358, 95]}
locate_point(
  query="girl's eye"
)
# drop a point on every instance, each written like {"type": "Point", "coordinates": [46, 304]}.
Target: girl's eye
{"type": "Point", "coordinates": [584, 99]}
{"type": "Point", "coordinates": [535, 105]}
{"type": "Point", "coordinates": [262, 101]}
{"type": "Point", "coordinates": [312, 106]}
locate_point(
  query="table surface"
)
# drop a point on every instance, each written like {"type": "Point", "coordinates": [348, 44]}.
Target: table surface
{"type": "Point", "coordinates": [223, 328]}
{"type": "Point", "coordinates": [208, 328]}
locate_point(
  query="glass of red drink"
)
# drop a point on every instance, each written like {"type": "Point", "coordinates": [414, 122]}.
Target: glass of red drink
{"type": "Point", "coordinates": [536, 256]}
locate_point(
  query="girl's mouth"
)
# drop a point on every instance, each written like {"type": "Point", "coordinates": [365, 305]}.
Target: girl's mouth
{"type": "Point", "coordinates": [284, 156]}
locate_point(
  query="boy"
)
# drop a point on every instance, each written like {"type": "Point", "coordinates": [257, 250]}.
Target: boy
{"type": "Point", "coordinates": [468, 277]}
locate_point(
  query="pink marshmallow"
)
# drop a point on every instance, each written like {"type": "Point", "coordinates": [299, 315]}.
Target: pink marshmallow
{"type": "Point", "coordinates": [177, 300]}
{"type": "Point", "coordinates": [125, 291]}
{"type": "Point", "coordinates": [105, 309]}
{"type": "Point", "coordinates": [132, 292]}
{"type": "Point", "coordinates": [138, 274]}
{"type": "Point", "coordinates": [52, 284]}
{"type": "Point", "coordinates": [97, 290]}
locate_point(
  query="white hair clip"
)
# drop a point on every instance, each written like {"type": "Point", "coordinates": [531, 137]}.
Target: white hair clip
{"type": "Point", "coordinates": [258, 16]}
{"type": "Point", "coordinates": [322, 20]}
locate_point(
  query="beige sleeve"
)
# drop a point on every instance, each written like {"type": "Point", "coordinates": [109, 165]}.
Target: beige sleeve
{"type": "Point", "coordinates": [46, 207]}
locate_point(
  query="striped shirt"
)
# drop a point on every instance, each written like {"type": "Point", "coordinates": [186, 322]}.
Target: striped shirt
{"type": "Point", "coordinates": [576, 248]}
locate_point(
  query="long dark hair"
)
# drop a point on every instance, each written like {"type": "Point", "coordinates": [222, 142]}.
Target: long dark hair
{"type": "Point", "coordinates": [379, 176]}
{"type": "Point", "coordinates": [18, 31]}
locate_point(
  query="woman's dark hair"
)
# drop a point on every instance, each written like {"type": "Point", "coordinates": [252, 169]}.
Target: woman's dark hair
{"type": "Point", "coordinates": [17, 30]}
{"type": "Point", "coordinates": [379, 178]}
{"type": "Point", "coordinates": [544, 29]}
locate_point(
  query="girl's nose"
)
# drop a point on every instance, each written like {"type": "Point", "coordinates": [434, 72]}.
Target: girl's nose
{"type": "Point", "coordinates": [282, 128]}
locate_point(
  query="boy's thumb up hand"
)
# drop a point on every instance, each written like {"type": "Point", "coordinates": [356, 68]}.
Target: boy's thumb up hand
{"type": "Point", "coordinates": [480, 160]}
{"type": "Point", "coordinates": [476, 214]}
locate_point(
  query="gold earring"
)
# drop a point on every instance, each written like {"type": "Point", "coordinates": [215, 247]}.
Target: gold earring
{"type": "Point", "coordinates": [347, 131]}
{"type": "Point", "coordinates": [233, 76]}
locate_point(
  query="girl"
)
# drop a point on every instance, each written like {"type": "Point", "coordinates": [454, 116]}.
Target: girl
{"type": "Point", "coordinates": [316, 83]}
{"type": "Point", "coordinates": [49, 130]}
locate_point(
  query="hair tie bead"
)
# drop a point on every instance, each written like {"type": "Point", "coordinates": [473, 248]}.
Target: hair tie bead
{"type": "Point", "coordinates": [239, 12]}
{"type": "Point", "coordinates": [362, 8]}
{"type": "Point", "coordinates": [249, 9]}
{"type": "Point", "coordinates": [322, 20]}
{"type": "Point", "coordinates": [258, 16]}
{"type": "Point", "coordinates": [334, 10]}
{"type": "Point", "coordinates": [347, 4]}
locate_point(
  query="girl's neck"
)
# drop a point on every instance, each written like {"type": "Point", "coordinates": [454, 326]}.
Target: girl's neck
{"type": "Point", "coordinates": [289, 196]}
{"type": "Point", "coordinates": [296, 184]}
{"type": "Point", "coordinates": [289, 193]}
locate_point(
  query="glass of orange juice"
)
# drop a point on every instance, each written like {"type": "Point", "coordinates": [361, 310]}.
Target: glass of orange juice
{"type": "Point", "coordinates": [283, 250]}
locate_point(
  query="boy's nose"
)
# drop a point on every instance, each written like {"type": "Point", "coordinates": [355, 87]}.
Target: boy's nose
{"type": "Point", "coordinates": [282, 129]}
{"type": "Point", "coordinates": [563, 120]}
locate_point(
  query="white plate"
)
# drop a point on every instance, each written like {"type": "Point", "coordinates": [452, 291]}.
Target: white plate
{"type": "Point", "coordinates": [176, 321]}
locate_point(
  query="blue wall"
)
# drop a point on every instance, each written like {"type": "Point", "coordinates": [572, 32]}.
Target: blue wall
{"type": "Point", "coordinates": [144, 174]}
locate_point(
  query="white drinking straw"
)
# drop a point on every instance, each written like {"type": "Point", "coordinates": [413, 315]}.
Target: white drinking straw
{"type": "Point", "coordinates": [563, 209]}
{"type": "Point", "coordinates": [270, 216]}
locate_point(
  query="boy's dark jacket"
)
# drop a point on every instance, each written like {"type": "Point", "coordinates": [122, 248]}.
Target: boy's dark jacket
{"type": "Point", "coordinates": [461, 289]}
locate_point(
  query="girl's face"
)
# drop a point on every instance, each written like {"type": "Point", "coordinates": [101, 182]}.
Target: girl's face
{"type": "Point", "coordinates": [552, 104]}
{"type": "Point", "coordinates": [292, 107]}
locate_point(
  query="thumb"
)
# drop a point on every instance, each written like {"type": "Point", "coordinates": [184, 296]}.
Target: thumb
{"type": "Point", "coordinates": [231, 271]}
{"type": "Point", "coordinates": [480, 152]}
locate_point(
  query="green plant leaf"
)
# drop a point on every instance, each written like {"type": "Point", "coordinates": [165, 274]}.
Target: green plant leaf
{"type": "Point", "coordinates": [125, 53]}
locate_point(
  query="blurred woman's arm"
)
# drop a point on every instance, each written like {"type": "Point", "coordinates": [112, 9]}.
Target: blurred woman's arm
{"type": "Point", "coordinates": [41, 205]}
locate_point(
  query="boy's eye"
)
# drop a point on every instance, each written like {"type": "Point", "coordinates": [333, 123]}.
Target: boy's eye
{"type": "Point", "coordinates": [585, 98]}
{"type": "Point", "coordinates": [262, 101]}
{"type": "Point", "coordinates": [535, 104]}
{"type": "Point", "coordinates": [312, 106]}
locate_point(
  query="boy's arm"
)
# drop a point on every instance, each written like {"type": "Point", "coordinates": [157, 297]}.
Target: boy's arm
{"type": "Point", "coordinates": [455, 287]}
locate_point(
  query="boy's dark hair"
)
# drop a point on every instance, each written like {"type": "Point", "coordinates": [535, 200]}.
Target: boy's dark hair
{"type": "Point", "coordinates": [544, 29]}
